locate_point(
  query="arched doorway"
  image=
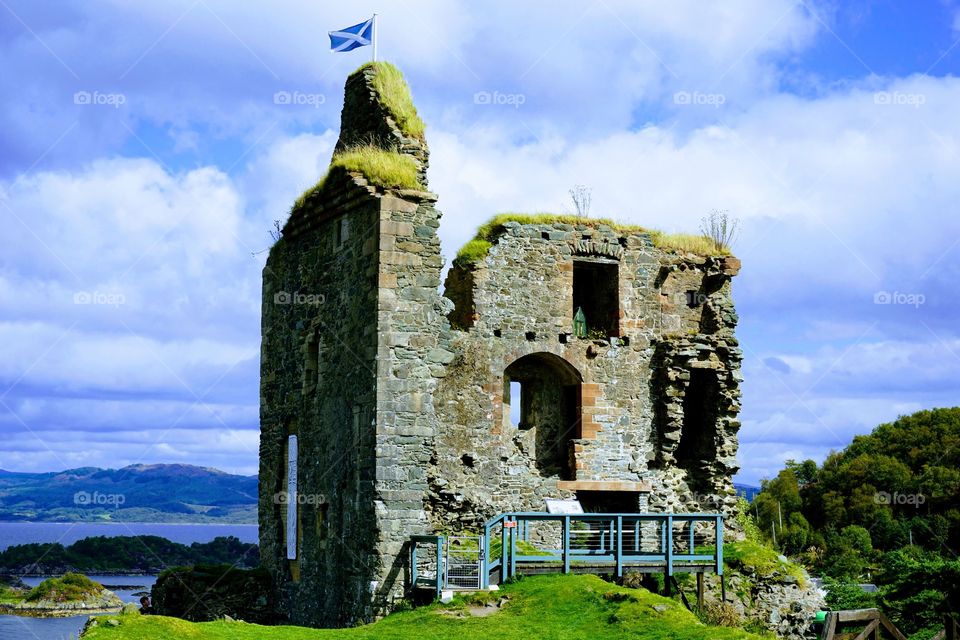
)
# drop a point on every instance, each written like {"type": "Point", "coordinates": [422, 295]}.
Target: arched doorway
{"type": "Point", "coordinates": [549, 410]}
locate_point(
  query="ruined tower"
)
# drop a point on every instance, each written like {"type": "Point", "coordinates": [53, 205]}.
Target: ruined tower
{"type": "Point", "coordinates": [565, 358]}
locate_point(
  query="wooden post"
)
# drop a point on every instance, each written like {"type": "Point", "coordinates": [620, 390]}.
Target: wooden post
{"type": "Point", "coordinates": [700, 589]}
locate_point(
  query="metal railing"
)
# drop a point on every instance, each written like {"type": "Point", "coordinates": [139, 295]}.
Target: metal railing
{"type": "Point", "coordinates": [427, 570]}
{"type": "Point", "coordinates": [668, 542]}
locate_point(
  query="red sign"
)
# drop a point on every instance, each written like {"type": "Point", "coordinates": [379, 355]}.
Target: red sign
{"type": "Point", "coordinates": [509, 524]}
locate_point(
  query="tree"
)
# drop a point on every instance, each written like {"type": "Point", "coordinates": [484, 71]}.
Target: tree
{"type": "Point", "coordinates": [806, 471]}
{"type": "Point", "coordinates": [581, 196]}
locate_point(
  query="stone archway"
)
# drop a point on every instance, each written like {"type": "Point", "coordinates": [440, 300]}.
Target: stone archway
{"type": "Point", "coordinates": [549, 410]}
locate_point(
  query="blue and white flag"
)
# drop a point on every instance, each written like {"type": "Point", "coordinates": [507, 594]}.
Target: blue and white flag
{"type": "Point", "coordinates": [359, 35]}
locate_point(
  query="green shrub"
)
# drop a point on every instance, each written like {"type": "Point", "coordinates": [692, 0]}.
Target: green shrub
{"type": "Point", "coordinates": [842, 596]}
{"type": "Point", "coordinates": [70, 587]}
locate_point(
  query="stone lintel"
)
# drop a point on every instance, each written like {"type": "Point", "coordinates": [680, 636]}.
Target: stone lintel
{"type": "Point", "coordinates": [603, 485]}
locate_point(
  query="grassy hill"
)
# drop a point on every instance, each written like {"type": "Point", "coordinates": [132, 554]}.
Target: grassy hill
{"type": "Point", "coordinates": [558, 607]}
{"type": "Point", "coordinates": [136, 493]}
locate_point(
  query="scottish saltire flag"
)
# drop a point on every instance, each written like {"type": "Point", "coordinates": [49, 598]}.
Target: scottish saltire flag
{"type": "Point", "coordinates": [359, 35]}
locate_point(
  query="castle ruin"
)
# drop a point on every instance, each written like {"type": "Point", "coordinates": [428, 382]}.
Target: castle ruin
{"type": "Point", "coordinates": [564, 358]}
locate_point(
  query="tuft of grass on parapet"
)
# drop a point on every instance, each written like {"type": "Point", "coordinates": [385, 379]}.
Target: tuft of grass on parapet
{"type": "Point", "coordinates": [687, 243]}
{"type": "Point", "coordinates": [387, 169]}
{"type": "Point", "coordinates": [394, 93]}
{"type": "Point", "coordinates": [476, 249]}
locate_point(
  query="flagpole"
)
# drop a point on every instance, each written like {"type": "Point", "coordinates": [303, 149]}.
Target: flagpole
{"type": "Point", "coordinates": [375, 36]}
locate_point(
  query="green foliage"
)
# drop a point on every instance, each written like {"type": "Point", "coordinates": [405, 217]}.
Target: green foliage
{"type": "Point", "coordinates": [805, 472]}
{"type": "Point", "coordinates": [69, 588]}
{"type": "Point", "coordinates": [746, 522]}
{"type": "Point", "coordinates": [477, 248]}
{"type": "Point", "coordinates": [102, 554]}
{"type": "Point", "coordinates": [842, 596]}
{"type": "Point", "coordinates": [394, 93]}
{"type": "Point", "coordinates": [779, 501]}
{"type": "Point", "coordinates": [866, 503]}
{"type": "Point", "coordinates": [559, 607]}
{"type": "Point", "coordinates": [918, 587]}
{"type": "Point", "coordinates": [755, 558]}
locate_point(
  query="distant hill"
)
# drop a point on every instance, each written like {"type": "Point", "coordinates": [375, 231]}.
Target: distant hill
{"type": "Point", "coordinates": [746, 491]}
{"type": "Point", "coordinates": [137, 493]}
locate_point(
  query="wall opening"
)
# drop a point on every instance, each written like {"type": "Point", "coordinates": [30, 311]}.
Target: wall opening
{"type": "Point", "coordinates": [697, 449]}
{"type": "Point", "coordinates": [541, 396]}
{"type": "Point", "coordinates": [609, 501]}
{"type": "Point", "coordinates": [596, 290]}
{"type": "Point", "coordinates": [311, 363]}
{"type": "Point", "coordinates": [341, 232]}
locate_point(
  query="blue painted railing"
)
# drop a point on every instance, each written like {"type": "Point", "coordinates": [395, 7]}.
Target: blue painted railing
{"type": "Point", "coordinates": [614, 539]}
{"type": "Point", "coordinates": [438, 581]}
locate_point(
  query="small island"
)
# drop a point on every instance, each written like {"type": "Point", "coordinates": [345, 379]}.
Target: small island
{"type": "Point", "coordinates": [70, 595]}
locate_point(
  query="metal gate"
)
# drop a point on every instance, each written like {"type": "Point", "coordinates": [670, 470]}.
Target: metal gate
{"type": "Point", "coordinates": [464, 555]}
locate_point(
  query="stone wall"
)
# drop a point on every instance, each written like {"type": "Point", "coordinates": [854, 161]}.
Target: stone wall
{"type": "Point", "coordinates": [401, 397]}
{"type": "Point", "coordinates": [675, 315]}
{"type": "Point", "coordinates": [318, 381]}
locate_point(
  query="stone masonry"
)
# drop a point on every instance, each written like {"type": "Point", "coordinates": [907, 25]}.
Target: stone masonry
{"type": "Point", "coordinates": [417, 411]}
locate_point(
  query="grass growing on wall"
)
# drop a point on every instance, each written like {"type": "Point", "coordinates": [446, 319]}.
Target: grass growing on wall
{"type": "Point", "coordinates": [477, 248]}
{"type": "Point", "coordinates": [394, 94]}
{"type": "Point", "coordinates": [387, 169]}
{"type": "Point", "coordinates": [559, 607]}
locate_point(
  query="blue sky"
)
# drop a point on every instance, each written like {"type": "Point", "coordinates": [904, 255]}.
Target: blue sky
{"type": "Point", "coordinates": [145, 155]}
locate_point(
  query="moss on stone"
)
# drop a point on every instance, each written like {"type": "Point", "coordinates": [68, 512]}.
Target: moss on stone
{"type": "Point", "coordinates": [477, 248]}
{"type": "Point", "coordinates": [394, 93]}
{"type": "Point", "coordinates": [756, 559]}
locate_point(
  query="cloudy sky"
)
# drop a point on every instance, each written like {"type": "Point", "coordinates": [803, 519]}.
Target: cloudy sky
{"type": "Point", "coordinates": [147, 149]}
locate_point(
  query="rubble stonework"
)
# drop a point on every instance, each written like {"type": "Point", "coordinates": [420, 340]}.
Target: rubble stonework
{"type": "Point", "coordinates": [401, 397]}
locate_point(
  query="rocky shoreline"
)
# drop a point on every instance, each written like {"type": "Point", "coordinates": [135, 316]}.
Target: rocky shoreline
{"type": "Point", "coordinates": [105, 602]}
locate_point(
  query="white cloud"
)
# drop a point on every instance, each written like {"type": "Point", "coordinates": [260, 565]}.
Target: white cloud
{"type": "Point", "coordinates": [843, 194]}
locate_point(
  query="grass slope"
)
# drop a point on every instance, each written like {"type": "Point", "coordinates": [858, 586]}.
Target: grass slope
{"type": "Point", "coordinates": [477, 248]}
{"type": "Point", "coordinates": [557, 607]}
